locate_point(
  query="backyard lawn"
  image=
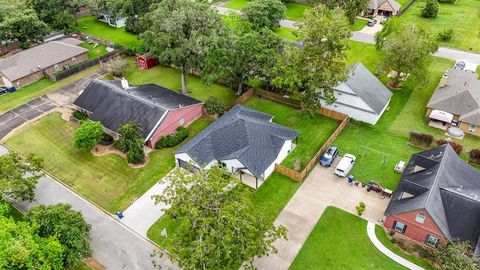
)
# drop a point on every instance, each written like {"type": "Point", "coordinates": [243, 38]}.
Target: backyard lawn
{"type": "Point", "coordinates": [94, 50]}
{"type": "Point", "coordinates": [340, 241]}
{"type": "Point", "coordinates": [287, 33]}
{"type": "Point", "coordinates": [39, 88]}
{"type": "Point", "coordinates": [463, 18]}
{"type": "Point", "coordinates": [359, 24]}
{"type": "Point", "coordinates": [293, 12]}
{"type": "Point", "coordinates": [170, 78]}
{"type": "Point", "coordinates": [270, 198]}
{"type": "Point", "coordinates": [90, 25]}
{"type": "Point", "coordinates": [314, 130]}
{"type": "Point", "coordinates": [108, 180]}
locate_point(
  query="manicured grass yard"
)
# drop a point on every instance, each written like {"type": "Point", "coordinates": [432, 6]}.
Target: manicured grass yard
{"type": "Point", "coordinates": [90, 25]}
{"type": "Point", "coordinates": [170, 78]}
{"type": "Point", "coordinates": [314, 130]}
{"type": "Point", "coordinates": [359, 24]}
{"type": "Point", "coordinates": [39, 88]}
{"type": "Point", "coordinates": [463, 17]}
{"type": "Point", "coordinates": [270, 199]}
{"type": "Point", "coordinates": [108, 180]}
{"type": "Point", "coordinates": [293, 12]}
{"type": "Point", "coordinates": [94, 51]}
{"type": "Point", "coordinates": [287, 33]}
{"type": "Point", "coordinates": [340, 241]}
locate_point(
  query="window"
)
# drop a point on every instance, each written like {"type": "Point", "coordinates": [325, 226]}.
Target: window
{"type": "Point", "coordinates": [74, 60]}
{"type": "Point", "coordinates": [420, 218]}
{"type": "Point", "coordinates": [181, 121]}
{"type": "Point", "coordinates": [431, 240]}
{"type": "Point", "coordinates": [472, 128]}
{"type": "Point", "coordinates": [56, 67]}
{"type": "Point", "coordinates": [399, 227]}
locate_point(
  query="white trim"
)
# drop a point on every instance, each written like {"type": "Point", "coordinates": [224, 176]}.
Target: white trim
{"type": "Point", "coordinates": [156, 126]}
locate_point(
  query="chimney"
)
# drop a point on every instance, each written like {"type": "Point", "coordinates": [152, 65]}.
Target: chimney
{"type": "Point", "coordinates": [443, 81]}
{"type": "Point", "coordinates": [125, 85]}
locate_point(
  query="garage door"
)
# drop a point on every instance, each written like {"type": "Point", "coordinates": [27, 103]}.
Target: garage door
{"type": "Point", "coordinates": [187, 166]}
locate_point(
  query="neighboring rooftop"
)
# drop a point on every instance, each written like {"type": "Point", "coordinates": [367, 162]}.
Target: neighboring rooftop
{"type": "Point", "coordinates": [39, 57]}
{"type": "Point", "coordinates": [460, 96]}
{"type": "Point", "coordinates": [438, 181]}
{"type": "Point", "coordinates": [370, 89]}
{"type": "Point", "coordinates": [374, 4]}
{"type": "Point", "coordinates": [241, 133]}
{"type": "Point", "coordinates": [145, 104]}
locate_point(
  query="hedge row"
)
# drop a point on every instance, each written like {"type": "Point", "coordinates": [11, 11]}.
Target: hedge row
{"type": "Point", "coordinates": [173, 139]}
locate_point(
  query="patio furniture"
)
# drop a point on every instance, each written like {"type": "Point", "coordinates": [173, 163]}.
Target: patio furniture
{"type": "Point", "coordinates": [400, 166]}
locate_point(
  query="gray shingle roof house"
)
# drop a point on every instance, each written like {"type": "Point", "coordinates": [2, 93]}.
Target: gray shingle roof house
{"type": "Point", "coordinates": [244, 140]}
{"type": "Point", "coordinates": [159, 111]}
{"type": "Point", "coordinates": [362, 97]}
{"type": "Point", "coordinates": [458, 94]}
{"type": "Point", "coordinates": [44, 57]}
{"type": "Point", "coordinates": [383, 7]}
{"type": "Point", "coordinates": [438, 198]}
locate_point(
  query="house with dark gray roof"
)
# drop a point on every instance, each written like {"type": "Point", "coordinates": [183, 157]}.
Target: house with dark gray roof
{"type": "Point", "coordinates": [159, 111]}
{"type": "Point", "coordinates": [437, 199]}
{"type": "Point", "coordinates": [456, 102]}
{"type": "Point", "coordinates": [362, 97]}
{"type": "Point", "coordinates": [243, 140]}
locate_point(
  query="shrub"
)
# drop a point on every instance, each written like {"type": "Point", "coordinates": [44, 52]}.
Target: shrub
{"type": "Point", "coordinates": [430, 10]}
{"type": "Point", "coordinates": [80, 115]}
{"type": "Point", "coordinates": [88, 134]}
{"type": "Point", "coordinates": [135, 153]}
{"type": "Point", "coordinates": [119, 145]}
{"type": "Point", "coordinates": [214, 105]}
{"type": "Point", "coordinates": [474, 156]}
{"type": "Point", "coordinates": [361, 208]}
{"type": "Point", "coordinates": [446, 35]}
{"type": "Point", "coordinates": [117, 66]}
{"type": "Point", "coordinates": [173, 139]}
{"type": "Point", "coordinates": [458, 148]}
{"type": "Point", "coordinates": [106, 139]}
{"type": "Point", "coordinates": [421, 139]}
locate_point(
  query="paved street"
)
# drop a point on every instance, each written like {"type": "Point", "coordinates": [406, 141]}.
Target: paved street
{"type": "Point", "coordinates": [321, 189]}
{"type": "Point", "coordinates": [34, 108]}
{"type": "Point", "coordinates": [114, 245]}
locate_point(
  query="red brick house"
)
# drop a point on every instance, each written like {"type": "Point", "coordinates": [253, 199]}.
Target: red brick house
{"type": "Point", "coordinates": [437, 199]}
{"type": "Point", "coordinates": [158, 111]}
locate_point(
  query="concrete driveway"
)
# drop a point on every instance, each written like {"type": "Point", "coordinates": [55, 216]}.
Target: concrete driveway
{"type": "Point", "coordinates": [372, 30]}
{"type": "Point", "coordinates": [321, 189]}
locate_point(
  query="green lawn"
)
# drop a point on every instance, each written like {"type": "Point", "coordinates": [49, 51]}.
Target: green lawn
{"type": "Point", "coordinates": [358, 25]}
{"type": "Point", "coordinates": [94, 50]}
{"type": "Point", "coordinates": [170, 78]}
{"type": "Point", "coordinates": [463, 17]}
{"type": "Point", "coordinates": [39, 88]}
{"type": "Point", "coordinates": [293, 12]}
{"type": "Point", "coordinates": [90, 25]}
{"type": "Point", "coordinates": [340, 241]}
{"type": "Point", "coordinates": [314, 130]}
{"type": "Point", "coordinates": [270, 198]}
{"type": "Point", "coordinates": [382, 236]}
{"type": "Point", "coordinates": [287, 33]}
{"type": "Point", "coordinates": [107, 180]}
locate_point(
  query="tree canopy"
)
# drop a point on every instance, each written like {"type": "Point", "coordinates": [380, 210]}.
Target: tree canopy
{"type": "Point", "coordinates": [88, 134]}
{"type": "Point", "coordinates": [68, 225]}
{"type": "Point", "coordinates": [352, 8]}
{"type": "Point", "coordinates": [457, 256]}
{"type": "Point", "coordinates": [58, 14]}
{"type": "Point", "coordinates": [18, 177]}
{"type": "Point", "coordinates": [20, 22]}
{"type": "Point", "coordinates": [131, 142]}
{"type": "Point", "coordinates": [264, 14]}
{"type": "Point", "coordinates": [318, 65]}
{"type": "Point", "coordinates": [430, 10]}
{"type": "Point", "coordinates": [181, 33]}
{"type": "Point", "coordinates": [218, 226]}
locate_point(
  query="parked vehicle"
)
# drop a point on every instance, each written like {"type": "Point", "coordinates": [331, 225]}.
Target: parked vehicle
{"type": "Point", "coordinates": [345, 165]}
{"type": "Point", "coordinates": [3, 90]}
{"type": "Point", "coordinates": [371, 22]}
{"type": "Point", "coordinates": [459, 65]}
{"type": "Point", "coordinates": [329, 156]}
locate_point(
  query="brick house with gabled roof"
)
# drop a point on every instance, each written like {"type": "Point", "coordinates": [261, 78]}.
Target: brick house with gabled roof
{"type": "Point", "coordinates": [437, 199]}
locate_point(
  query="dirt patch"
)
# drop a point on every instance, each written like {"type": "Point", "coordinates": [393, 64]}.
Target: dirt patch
{"type": "Point", "coordinates": [103, 150]}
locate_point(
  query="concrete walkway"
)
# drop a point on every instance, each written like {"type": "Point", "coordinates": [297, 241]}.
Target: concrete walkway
{"type": "Point", "coordinates": [114, 245]}
{"type": "Point", "coordinates": [386, 251]}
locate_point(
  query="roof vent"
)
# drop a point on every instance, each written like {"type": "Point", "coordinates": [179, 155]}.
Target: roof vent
{"type": "Point", "coordinates": [125, 85]}
{"type": "Point", "coordinates": [460, 189]}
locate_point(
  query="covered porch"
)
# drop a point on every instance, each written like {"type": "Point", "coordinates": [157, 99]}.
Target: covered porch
{"type": "Point", "coordinates": [440, 119]}
{"type": "Point", "coordinates": [248, 179]}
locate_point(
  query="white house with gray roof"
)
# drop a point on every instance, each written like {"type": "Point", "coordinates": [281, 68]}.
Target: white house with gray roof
{"type": "Point", "coordinates": [243, 140]}
{"type": "Point", "coordinates": [362, 97]}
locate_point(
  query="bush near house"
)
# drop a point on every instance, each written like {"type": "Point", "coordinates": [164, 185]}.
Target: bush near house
{"type": "Point", "coordinates": [213, 105]}
{"type": "Point", "coordinates": [80, 115]}
{"type": "Point", "coordinates": [421, 139]}
{"type": "Point", "coordinates": [88, 135]}
{"type": "Point", "coordinates": [458, 148]}
{"type": "Point", "coordinates": [474, 156]}
{"type": "Point", "coordinates": [173, 139]}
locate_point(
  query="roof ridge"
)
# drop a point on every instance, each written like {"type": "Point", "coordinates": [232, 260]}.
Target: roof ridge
{"type": "Point", "coordinates": [435, 179]}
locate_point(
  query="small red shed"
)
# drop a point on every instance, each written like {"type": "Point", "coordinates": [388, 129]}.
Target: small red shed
{"type": "Point", "coordinates": [146, 61]}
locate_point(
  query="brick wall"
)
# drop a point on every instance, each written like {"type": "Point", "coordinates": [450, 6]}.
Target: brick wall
{"type": "Point", "coordinates": [465, 127]}
{"type": "Point", "coordinates": [415, 230]}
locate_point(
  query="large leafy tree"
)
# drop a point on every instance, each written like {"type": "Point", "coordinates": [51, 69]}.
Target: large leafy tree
{"type": "Point", "coordinates": [407, 50]}
{"type": "Point", "coordinates": [181, 33]}
{"type": "Point", "coordinates": [131, 142]}
{"type": "Point", "coordinates": [22, 248]}
{"type": "Point", "coordinates": [218, 227]}
{"type": "Point", "coordinates": [58, 14]}
{"type": "Point", "coordinates": [19, 22]}
{"type": "Point", "coordinates": [318, 65]}
{"type": "Point", "coordinates": [68, 225]}
{"type": "Point", "coordinates": [430, 10]}
{"type": "Point", "coordinates": [264, 13]}
{"type": "Point", "coordinates": [246, 55]}
{"type": "Point", "coordinates": [457, 256]}
{"type": "Point", "coordinates": [18, 177]}
{"type": "Point", "coordinates": [88, 134]}
{"type": "Point", "coordinates": [352, 8]}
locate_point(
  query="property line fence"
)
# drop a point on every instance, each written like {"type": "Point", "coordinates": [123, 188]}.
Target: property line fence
{"type": "Point", "coordinates": [278, 98]}
{"type": "Point", "coordinates": [85, 36]}
{"type": "Point", "coordinates": [403, 9]}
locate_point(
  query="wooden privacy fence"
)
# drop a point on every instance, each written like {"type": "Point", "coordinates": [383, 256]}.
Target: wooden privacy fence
{"type": "Point", "coordinates": [241, 99]}
{"type": "Point", "coordinates": [275, 97]}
